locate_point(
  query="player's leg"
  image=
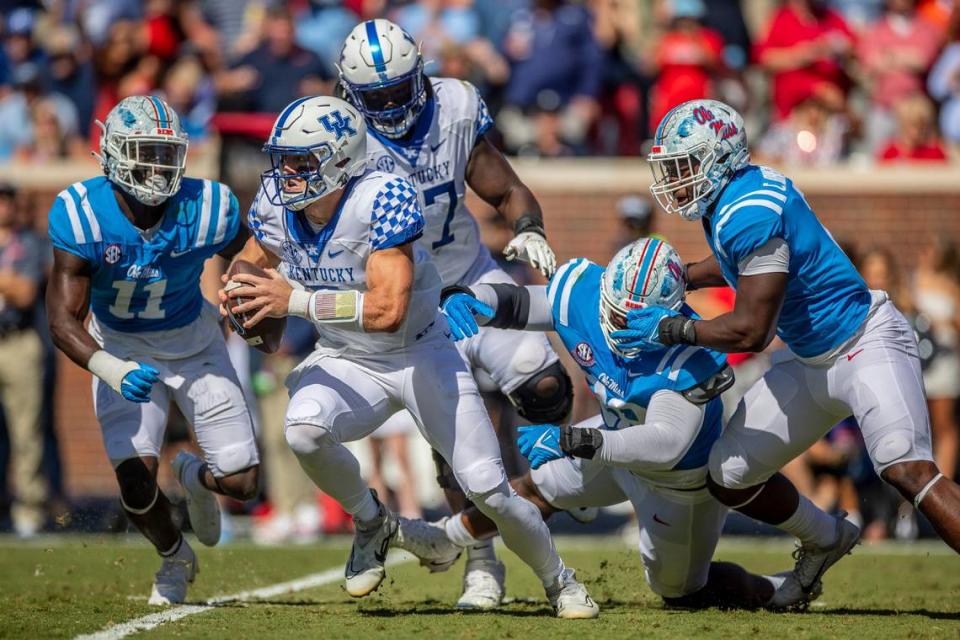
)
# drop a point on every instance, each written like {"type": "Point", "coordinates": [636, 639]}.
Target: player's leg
{"type": "Point", "coordinates": [212, 400]}
{"type": "Point", "coordinates": [525, 368]}
{"type": "Point", "coordinates": [443, 397]}
{"type": "Point", "coordinates": [133, 439]}
{"type": "Point", "coordinates": [781, 415]}
{"type": "Point", "coordinates": [333, 401]}
{"type": "Point", "coordinates": [883, 386]}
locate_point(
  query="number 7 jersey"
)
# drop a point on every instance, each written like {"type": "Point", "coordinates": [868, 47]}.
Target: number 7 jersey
{"type": "Point", "coordinates": [144, 280]}
{"type": "Point", "coordinates": [435, 160]}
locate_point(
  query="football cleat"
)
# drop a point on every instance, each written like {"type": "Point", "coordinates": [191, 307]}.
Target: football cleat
{"type": "Point", "coordinates": [812, 562]}
{"type": "Point", "coordinates": [202, 504]}
{"type": "Point", "coordinates": [570, 599]}
{"type": "Point", "coordinates": [175, 574]}
{"type": "Point", "coordinates": [788, 595]}
{"type": "Point", "coordinates": [429, 542]}
{"type": "Point", "coordinates": [371, 540]}
{"type": "Point", "coordinates": [482, 585]}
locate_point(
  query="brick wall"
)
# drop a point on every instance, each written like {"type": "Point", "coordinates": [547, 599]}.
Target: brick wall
{"type": "Point", "coordinates": [896, 208]}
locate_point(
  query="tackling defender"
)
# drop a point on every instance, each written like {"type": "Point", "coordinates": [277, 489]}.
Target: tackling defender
{"type": "Point", "coordinates": [432, 131]}
{"type": "Point", "coordinates": [344, 237]}
{"type": "Point", "coordinates": [660, 414]}
{"type": "Point", "coordinates": [130, 246]}
{"type": "Point", "coordinates": [850, 350]}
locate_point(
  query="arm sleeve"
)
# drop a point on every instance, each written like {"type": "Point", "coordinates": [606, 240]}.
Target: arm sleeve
{"type": "Point", "coordinates": [65, 229]}
{"type": "Point", "coordinates": [231, 221]}
{"type": "Point", "coordinates": [482, 120]}
{"type": "Point", "coordinates": [672, 424]}
{"type": "Point", "coordinates": [747, 227]}
{"type": "Point", "coordinates": [516, 307]}
{"type": "Point", "coordinates": [772, 257]}
{"type": "Point", "coordinates": [396, 218]}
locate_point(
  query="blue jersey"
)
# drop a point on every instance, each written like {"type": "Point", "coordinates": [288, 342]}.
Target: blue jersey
{"type": "Point", "coordinates": [144, 280]}
{"type": "Point", "coordinates": [826, 299]}
{"type": "Point", "coordinates": [624, 389]}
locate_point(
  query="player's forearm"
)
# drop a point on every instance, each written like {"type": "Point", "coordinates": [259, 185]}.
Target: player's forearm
{"type": "Point", "coordinates": [526, 308]}
{"type": "Point", "coordinates": [385, 311]}
{"type": "Point", "coordinates": [69, 336]}
{"type": "Point", "coordinates": [734, 333]}
{"type": "Point", "coordinates": [704, 274]}
{"type": "Point", "coordinates": [255, 253]}
{"type": "Point", "coordinates": [521, 208]}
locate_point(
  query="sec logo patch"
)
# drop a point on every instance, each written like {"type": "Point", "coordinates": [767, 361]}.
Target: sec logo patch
{"type": "Point", "coordinates": [386, 164]}
{"type": "Point", "coordinates": [583, 354]}
{"type": "Point", "coordinates": [112, 254]}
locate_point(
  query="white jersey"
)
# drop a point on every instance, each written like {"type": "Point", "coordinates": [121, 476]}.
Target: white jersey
{"type": "Point", "coordinates": [435, 161]}
{"type": "Point", "coordinates": [377, 211]}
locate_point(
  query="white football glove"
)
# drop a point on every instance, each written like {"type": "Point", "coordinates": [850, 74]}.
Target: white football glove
{"type": "Point", "coordinates": [533, 249]}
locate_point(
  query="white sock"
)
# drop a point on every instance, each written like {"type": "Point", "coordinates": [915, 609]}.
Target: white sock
{"type": "Point", "coordinates": [366, 509]}
{"type": "Point", "coordinates": [811, 525]}
{"type": "Point", "coordinates": [482, 551]}
{"type": "Point", "coordinates": [457, 532]}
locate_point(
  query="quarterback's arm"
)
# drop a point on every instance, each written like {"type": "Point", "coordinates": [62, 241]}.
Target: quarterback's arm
{"type": "Point", "coordinates": [671, 425]}
{"type": "Point", "coordinates": [704, 274]}
{"type": "Point", "coordinates": [253, 251]}
{"type": "Point", "coordinates": [390, 274]}
{"type": "Point", "coordinates": [68, 300]}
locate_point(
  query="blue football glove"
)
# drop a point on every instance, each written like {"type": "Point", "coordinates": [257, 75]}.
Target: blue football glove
{"type": "Point", "coordinates": [643, 329]}
{"type": "Point", "coordinates": [540, 443]}
{"type": "Point", "coordinates": [460, 310]}
{"type": "Point", "coordinates": [137, 384]}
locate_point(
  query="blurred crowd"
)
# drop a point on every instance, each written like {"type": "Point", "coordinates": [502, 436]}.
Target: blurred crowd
{"type": "Point", "coordinates": [820, 81]}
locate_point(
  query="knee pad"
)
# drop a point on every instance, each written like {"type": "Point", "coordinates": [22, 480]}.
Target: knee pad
{"type": "Point", "coordinates": [445, 476]}
{"type": "Point", "coordinates": [546, 396]}
{"type": "Point", "coordinates": [138, 488]}
{"type": "Point", "coordinates": [306, 439]}
{"type": "Point", "coordinates": [482, 479]}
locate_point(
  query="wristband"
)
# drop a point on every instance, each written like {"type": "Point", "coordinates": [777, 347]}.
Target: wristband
{"type": "Point", "coordinates": [676, 330]}
{"type": "Point", "coordinates": [529, 223]}
{"type": "Point", "coordinates": [110, 368]}
{"type": "Point", "coordinates": [580, 443]}
{"type": "Point", "coordinates": [299, 304]}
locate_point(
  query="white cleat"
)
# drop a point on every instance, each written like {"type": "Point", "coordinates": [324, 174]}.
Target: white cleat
{"type": "Point", "coordinates": [570, 599]}
{"type": "Point", "coordinates": [812, 562]}
{"type": "Point", "coordinates": [482, 585]}
{"type": "Point", "coordinates": [365, 570]}
{"type": "Point", "coordinates": [584, 515]}
{"type": "Point", "coordinates": [202, 504]}
{"type": "Point", "coordinates": [175, 574]}
{"type": "Point", "coordinates": [429, 542]}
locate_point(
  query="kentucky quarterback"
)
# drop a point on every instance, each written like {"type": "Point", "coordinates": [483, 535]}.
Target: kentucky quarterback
{"type": "Point", "coordinates": [432, 131]}
{"type": "Point", "coordinates": [851, 351]}
{"type": "Point", "coordinates": [130, 247]}
{"type": "Point", "coordinates": [343, 239]}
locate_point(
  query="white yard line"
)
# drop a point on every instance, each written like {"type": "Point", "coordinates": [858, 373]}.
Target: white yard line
{"type": "Point", "coordinates": [173, 614]}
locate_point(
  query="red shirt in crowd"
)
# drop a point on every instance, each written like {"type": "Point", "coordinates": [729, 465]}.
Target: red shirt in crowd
{"type": "Point", "coordinates": [929, 151]}
{"type": "Point", "coordinates": [685, 60]}
{"type": "Point", "coordinates": [787, 29]}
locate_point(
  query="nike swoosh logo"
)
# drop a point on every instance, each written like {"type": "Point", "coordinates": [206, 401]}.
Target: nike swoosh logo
{"type": "Point", "coordinates": [334, 254]}
{"type": "Point", "coordinates": [177, 254]}
{"type": "Point", "coordinates": [851, 356]}
{"type": "Point", "coordinates": [656, 518]}
{"type": "Point", "coordinates": [433, 149]}
{"type": "Point", "coordinates": [541, 444]}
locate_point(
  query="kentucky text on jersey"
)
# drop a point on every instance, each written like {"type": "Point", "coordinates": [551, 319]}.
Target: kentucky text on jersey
{"type": "Point", "coordinates": [826, 299]}
{"type": "Point", "coordinates": [321, 274]}
{"type": "Point", "coordinates": [624, 389]}
{"type": "Point", "coordinates": [144, 281]}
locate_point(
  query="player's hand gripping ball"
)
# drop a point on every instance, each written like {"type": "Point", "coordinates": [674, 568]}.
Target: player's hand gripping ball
{"type": "Point", "coordinates": [244, 304]}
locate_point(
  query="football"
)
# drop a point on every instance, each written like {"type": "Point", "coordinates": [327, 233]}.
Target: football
{"type": "Point", "coordinates": [267, 333]}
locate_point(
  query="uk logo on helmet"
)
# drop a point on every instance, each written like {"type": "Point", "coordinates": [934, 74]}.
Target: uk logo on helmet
{"type": "Point", "coordinates": [583, 354]}
{"type": "Point", "coordinates": [338, 124]}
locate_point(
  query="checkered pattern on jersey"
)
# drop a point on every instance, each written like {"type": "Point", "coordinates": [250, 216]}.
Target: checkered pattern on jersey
{"type": "Point", "coordinates": [396, 217]}
{"type": "Point", "coordinates": [484, 121]}
{"type": "Point", "coordinates": [254, 221]}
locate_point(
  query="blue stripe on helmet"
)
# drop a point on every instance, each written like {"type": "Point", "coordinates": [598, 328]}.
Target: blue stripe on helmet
{"type": "Point", "coordinates": [657, 139]}
{"type": "Point", "coordinates": [375, 49]}
{"type": "Point", "coordinates": [286, 114]}
{"type": "Point", "coordinates": [163, 121]}
{"type": "Point", "coordinates": [646, 265]}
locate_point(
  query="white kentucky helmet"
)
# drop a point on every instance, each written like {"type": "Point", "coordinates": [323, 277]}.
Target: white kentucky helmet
{"type": "Point", "coordinates": [381, 73]}
{"type": "Point", "coordinates": [646, 272]}
{"type": "Point", "coordinates": [317, 144]}
{"type": "Point", "coordinates": [143, 148]}
{"type": "Point", "coordinates": [697, 148]}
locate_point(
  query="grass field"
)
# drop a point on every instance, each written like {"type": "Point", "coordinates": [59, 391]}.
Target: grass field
{"type": "Point", "coordinates": [69, 586]}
